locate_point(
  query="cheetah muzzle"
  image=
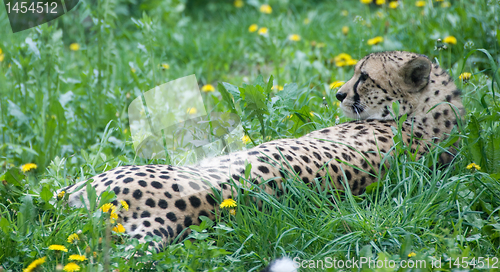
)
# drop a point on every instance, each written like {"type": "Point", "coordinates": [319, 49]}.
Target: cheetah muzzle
{"type": "Point", "coordinates": [163, 200]}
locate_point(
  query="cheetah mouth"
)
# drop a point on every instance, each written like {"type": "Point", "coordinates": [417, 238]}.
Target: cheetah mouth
{"type": "Point", "coordinates": [354, 110]}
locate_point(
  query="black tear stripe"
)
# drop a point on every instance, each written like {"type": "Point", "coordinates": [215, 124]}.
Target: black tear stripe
{"type": "Point", "coordinates": [355, 87]}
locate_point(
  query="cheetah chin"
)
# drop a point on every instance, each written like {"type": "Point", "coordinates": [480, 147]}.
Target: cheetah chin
{"type": "Point", "coordinates": [164, 200]}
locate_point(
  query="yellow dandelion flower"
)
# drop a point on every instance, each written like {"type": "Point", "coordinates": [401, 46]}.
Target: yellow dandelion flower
{"type": "Point", "coordinates": [238, 3]}
{"type": "Point", "coordinates": [263, 31]}
{"type": "Point", "coordinates": [191, 111]}
{"type": "Point", "coordinates": [375, 40]}
{"type": "Point", "coordinates": [113, 216]}
{"type": "Point", "coordinates": [420, 4]}
{"type": "Point", "coordinates": [380, 2]}
{"type": "Point", "coordinates": [412, 254]}
{"type": "Point", "coordinates": [2, 57]}
{"type": "Point", "coordinates": [336, 103]}
{"type": "Point", "coordinates": [393, 4]}
{"type": "Point", "coordinates": [165, 66]}
{"type": "Point", "coordinates": [73, 237]}
{"type": "Point", "coordinates": [74, 47]}
{"type": "Point", "coordinates": [245, 139]}
{"type": "Point", "coordinates": [445, 4]}
{"type": "Point", "coordinates": [232, 211]}
{"type": "Point", "coordinates": [207, 88]}
{"type": "Point", "coordinates": [27, 167]}
{"type": "Point", "coordinates": [336, 84]}
{"type": "Point", "coordinates": [307, 21]}
{"type": "Point", "coordinates": [124, 204]}
{"type": "Point", "coordinates": [266, 9]}
{"type": "Point", "coordinates": [132, 70]}
{"type": "Point", "coordinates": [253, 28]}
{"type": "Point", "coordinates": [473, 165]}
{"type": "Point", "coordinates": [61, 194]}
{"type": "Point", "coordinates": [344, 59]}
{"type": "Point", "coordinates": [344, 13]}
{"type": "Point", "coordinates": [345, 30]}
{"type": "Point", "coordinates": [277, 87]}
{"type": "Point", "coordinates": [119, 228]}
{"type": "Point", "coordinates": [311, 113]}
{"type": "Point", "coordinates": [76, 257]}
{"type": "Point", "coordinates": [107, 207]}
{"type": "Point", "coordinates": [366, 1]}
{"type": "Point", "coordinates": [36, 263]}
{"type": "Point", "coordinates": [294, 37]}
{"type": "Point", "coordinates": [58, 248]}
{"type": "Point", "coordinates": [228, 203]}
{"type": "Point", "coordinates": [450, 40]}
{"type": "Point", "coordinates": [351, 62]}
{"type": "Point", "coordinates": [342, 56]}
{"type": "Point", "coordinates": [465, 76]}
{"type": "Point", "coordinates": [71, 267]}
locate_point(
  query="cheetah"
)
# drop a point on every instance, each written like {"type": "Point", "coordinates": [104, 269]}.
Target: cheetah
{"type": "Point", "coordinates": [165, 199]}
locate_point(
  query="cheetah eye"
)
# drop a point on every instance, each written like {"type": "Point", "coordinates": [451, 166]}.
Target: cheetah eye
{"type": "Point", "coordinates": [363, 76]}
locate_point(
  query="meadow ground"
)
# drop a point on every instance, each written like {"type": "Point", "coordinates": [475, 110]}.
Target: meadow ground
{"type": "Point", "coordinates": [65, 88]}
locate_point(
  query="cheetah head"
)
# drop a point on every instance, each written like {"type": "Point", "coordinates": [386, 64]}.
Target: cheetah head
{"type": "Point", "coordinates": [382, 78]}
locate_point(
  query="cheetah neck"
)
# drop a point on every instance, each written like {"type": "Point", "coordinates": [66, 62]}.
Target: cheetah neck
{"type": "Point", "coordinates": [437, 107]}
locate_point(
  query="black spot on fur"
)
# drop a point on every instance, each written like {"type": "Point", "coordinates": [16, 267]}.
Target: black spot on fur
{"type": "Point", "coordinates": [143, 183]}
{"type": "Point", "coordinates": [180, 204]}
{"type": "Point", "coordinates": [145, 214]}
{"type": "Point", "coordinates": [382, 139]}
{"type": "Point", "coordinates": [195, 201]}
{"type": "Point", "coordinates": [150, 202]}
{"type": "Point", "coordinates": [128, 180]}
{"type": "Point", "coordinates": [162, 204]}
{"type": "Point", "coordinates": [164, 232]}
{"type": "Point", "coordinates": [177, 188]}
{"type": "Point", "coordinates": [170, 231]}
{"type": "Point", "coordinates": [263, 169]}
{"type": "Point", "coordinates": [156, 185]}
{"type": "Point", "coordinates": [194, 185]}
{"type": "Point", "coordinates": [137, 194]}
{"type": "Point", "coordinates": [210, 199]}
{"type": "Point", "coordinates": [167, 194]}
{"type": "Point", "coordinates": [188, 221]}
{"type": "Point", "coordinates": [179, 229]}
{"type": "Point", "coordinates": [160, 220]}
{"type": "Point", "coordinates": [171, 216]}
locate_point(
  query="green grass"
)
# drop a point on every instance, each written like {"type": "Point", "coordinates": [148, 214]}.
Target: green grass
{"type": "Point", "coordinates": [59, 112]}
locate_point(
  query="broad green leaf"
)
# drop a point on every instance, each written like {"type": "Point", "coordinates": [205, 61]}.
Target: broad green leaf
{"type": "Point", "coordinates": [233, 90]}
{"type": "Point", "coordinates": [5, 225]}
{"type": "Point", "coordinates": [13, 176]}
{"type": "Point", "coordinates": [227, 97]}
{"type": "Point", "coordinates": [255, 99]}
{"type": "Point", "coordinates": [46, 194]}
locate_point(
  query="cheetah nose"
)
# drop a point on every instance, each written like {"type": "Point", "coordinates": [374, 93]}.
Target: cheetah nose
{"type": "Point", "coordinates": [341, 96]}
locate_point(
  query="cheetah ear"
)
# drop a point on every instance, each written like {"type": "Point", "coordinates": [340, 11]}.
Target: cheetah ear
{"type": "Point", "coordinates": [416, 73]}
